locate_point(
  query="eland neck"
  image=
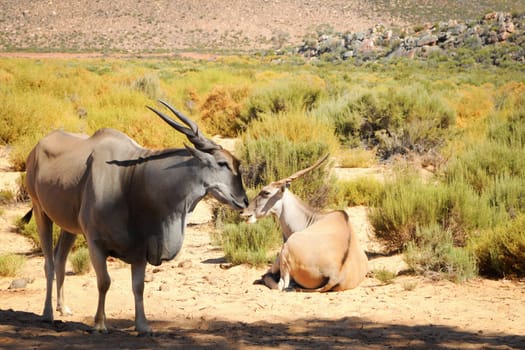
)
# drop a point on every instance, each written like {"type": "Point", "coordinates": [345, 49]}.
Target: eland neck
{"type": "Point", "coordinates": [295, 215]}
{"type": "Point", "coordinates": [167, 191]}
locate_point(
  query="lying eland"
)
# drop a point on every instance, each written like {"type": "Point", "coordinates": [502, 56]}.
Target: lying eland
{"type": "Point", "coordinates": [320, 252]}
{"type": "Point", "coordinates": [129, 202]}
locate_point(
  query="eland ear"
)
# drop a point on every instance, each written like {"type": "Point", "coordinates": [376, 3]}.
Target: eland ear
{"type": "Point", "coordinates": [200, 155]}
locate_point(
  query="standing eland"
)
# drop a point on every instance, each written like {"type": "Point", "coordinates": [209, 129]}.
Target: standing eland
{"type": "Point", "coordinates": [321, 251]}
{"type": "Point", "coordinates": [128, 201]}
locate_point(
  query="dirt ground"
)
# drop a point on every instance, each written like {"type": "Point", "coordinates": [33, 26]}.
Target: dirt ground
{"type": "Point", "coordinates": [198, 301]}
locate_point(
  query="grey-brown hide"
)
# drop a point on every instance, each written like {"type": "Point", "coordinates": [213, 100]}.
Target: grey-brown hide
{"type": "Point", "coordinates": [320, 251]}
{"type": "Point", "coordinates": [129, 202]}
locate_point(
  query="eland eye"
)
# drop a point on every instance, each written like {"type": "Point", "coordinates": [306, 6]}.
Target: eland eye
{"type": "Point", "coordinates": [265, 193]}
{"type": "Point", "coordinates": [224, 164]}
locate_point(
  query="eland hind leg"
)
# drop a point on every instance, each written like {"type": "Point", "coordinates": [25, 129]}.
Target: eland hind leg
{"type": "Point", "coordinates": [64, 245]}
{"type": "Point", "coordinates": [45, 232]}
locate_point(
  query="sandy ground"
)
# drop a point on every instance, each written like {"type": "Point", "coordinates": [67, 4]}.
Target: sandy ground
{"type": "Point", "coordinates": [198, 301]}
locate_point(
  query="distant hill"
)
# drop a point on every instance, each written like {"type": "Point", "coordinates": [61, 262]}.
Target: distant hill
{"type": "Point", "coordinates": [211, 25]}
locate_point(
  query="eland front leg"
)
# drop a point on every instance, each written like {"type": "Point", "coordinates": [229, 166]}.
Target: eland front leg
{"type": "Point", "coordinates": [284, 269]}
{"type": "Point", "coordinates": [273, 273]}
{"type": "Point", "coordinates": [137, 280]}
{"type": "Point", "coordinates": [98, 259]}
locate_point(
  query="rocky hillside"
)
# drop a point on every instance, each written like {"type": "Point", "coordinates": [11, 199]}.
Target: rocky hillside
{"type": "Point", "coordinates": [167, 25]}
{"type": "Point", "coordinates": [495, 38]}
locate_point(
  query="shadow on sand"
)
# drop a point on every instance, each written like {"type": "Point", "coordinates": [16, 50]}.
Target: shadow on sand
{"type": "Point", "coordinates": [23, 330]}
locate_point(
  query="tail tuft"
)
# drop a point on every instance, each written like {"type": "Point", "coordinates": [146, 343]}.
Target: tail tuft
{"type": "Point", "coordinates": [28, 216]}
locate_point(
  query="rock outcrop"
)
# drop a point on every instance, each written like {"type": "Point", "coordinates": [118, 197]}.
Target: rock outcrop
{"type": "Point", "coordinates": [499, 30]}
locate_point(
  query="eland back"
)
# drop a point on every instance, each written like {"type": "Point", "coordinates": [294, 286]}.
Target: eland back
{"type": "Point", "coordinates": [128, 201]}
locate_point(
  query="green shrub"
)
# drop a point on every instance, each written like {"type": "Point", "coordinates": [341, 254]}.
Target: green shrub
{"type": "Point", "coordinates": [10, 264]}
{"type": "Point", "coordinates": [223, 215]}
{"type": "Point", "coordinates": [433, 250]}
{"type": "Point", "coordinates": [500, 251]}
{"type": "Point", "coordinates": [402, 120]}
{"type": "Point", "coordinates": [465, 211]}
{"type": "Point", "coordinates": [495, 169]}
{"type": "Point", "coordinates": [252, 244]}
{"type": "Point", "coordinates": [6, 196]}
{"type": "Point", "coordinates": [483, 162]}
{"type": "Point", "coordinates": [295, 92]}
{"type": "Point", "coordinates": [28, 116]}
{"type": "Point", "coordinates": [80, 261]}
{"type": "Point", "coordinates": [277, 146]}
{"type": "Point", "coordinates": [357, 158]}
{"type": "Point", "coordinates": [508, 194]}
{"type": "Point", "coordinates": [510, 133]}
{"type": "Point", "coordinates": [405, 204]}
{"type": "Point", "coordinates": [272, 159]}
{"type": "Point", "coordinates": [384, 276]}
{"type": "Point", "coordinates": [346, 122]}
{"type": "Point", "coordinates": [510, 105]}
{"type": "Point", "coordinates": [149, 85]}
{"type": "Point", "coordinates": [361, 191]}
{"type": "Point", "coordinates": [408, 202]}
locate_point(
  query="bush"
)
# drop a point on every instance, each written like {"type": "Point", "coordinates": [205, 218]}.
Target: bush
{"type": "Point", "coordinates": [221, 110]}
{"type": "Point", "coordinates": [500, 251]}
{"type": "Point", "coordinates": [483, 187]}
{"type": "Point", "coordinates": [474, 105]}
{"type": "Point", "coordinates": [149, 85]}
{"type": "Point", "coordinates": [507, 194]}
{"type": "Point", "coordinates": [495, 168]}
{"type": "Point", "coordinates": [384, 276]}
{"type": "Point", "coordinates": [399, 121]}
{"type": "Point", "coordinates": [361, 191]}
{"type": "Point", "coordinates": [250, 243]}
{"type": "Point", "coordinates": [405, 204]}
{"type": "Point", "coordinates": [357, 158]}
{"type": "Point", "coordinates": [223, 215]}
{"type": "Point", "coordinates": [6, 196]}
{"type": "Point", "coordinates": [274, 159]}
{"type": "Point", "coordinates": [433, 250]}
{"type": "Point", "coordinates": [10, 264]}
{"type": "Point", "coordinates": [466, 211]}
{"type": "Point", "coordinates": [27, 117]}
{"type": "Point", "coordinates": [301, 92]}
{"type": "Point", "coordinates": [346, 122]}
{"type": "Point", "coordinates": [408, 202]}
{"type": "Point", "coordinates": [80, 261]}
{"type": "Point", "coordinates": [483, 162]}
{"type": "Point", "coordinates": [279, 145]}
{"type": "Point", "coordinates": [510, 101]}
